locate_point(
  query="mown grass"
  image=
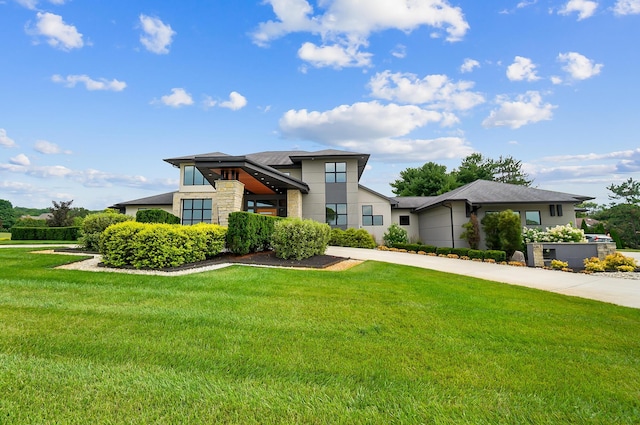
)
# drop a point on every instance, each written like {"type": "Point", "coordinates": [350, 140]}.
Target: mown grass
{"type": "Point", "coordinates": [375, 344]}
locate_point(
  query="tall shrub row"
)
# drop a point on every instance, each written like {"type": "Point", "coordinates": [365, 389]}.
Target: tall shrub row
{"type": "Point", "coordinates": [45, 233]}
{"type": "Point", "coordinates": [146, 245]}
{"type": "Point", "coordinates": [94, 224]}
{"type": "Point", "coordinates": [248, 232]}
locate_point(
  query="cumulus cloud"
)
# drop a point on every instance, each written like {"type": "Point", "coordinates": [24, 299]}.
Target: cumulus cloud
{"type": "Point", "coordinates": [522, 69]}
{"type": "Point", "coordinates": [333, 56]}
{"type": "Point", "coordinates": [33, 4]}
{"type": "Point", "coordinates": [526, 109]}
{"type": "Point", "coordinates": [400, 51]}
{"type": "Point", "coordinates": [469, 65]}
{"type": "Point", "coordinates": [584, 8]}
{"type": "Point", "coordinates": [20, 159]}
{"type": "Point", "coordinates": [178, 97]}
{"type": "Point", "coordinates": [344, 26]}
{"type": "Point", "coordinates": [627, 7]}
{"type": "Point", "coordinates": [579, 67]}
{"type": "Point", "coordinates": [49, 148]}
{"type": "Point", "coordinates": [57, 33]}
{"type": "Point", "coordinates": [436, 91]}
{"type": "Point", "coordinates": [89, 83]}
{"type": "Point", "coordinates": [5, 140]}
{"type": "Point", "coordinates": [157, 35]}
{"type": "Point", "coordinates": [236, 101]}
{"type": "Point", "coordinates": [375, 128]}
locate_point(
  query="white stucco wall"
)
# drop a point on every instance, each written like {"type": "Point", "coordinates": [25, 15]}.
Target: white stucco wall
{"type": "Point", "coordinates": [380, 206]}
{"type": "Point", "coordinates": [413, 229]}
{"type": "Point", "coordinates": [436, 226]}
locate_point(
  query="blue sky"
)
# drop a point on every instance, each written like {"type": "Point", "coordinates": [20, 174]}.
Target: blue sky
{"type": "Point", "coordinates": [95, 94]}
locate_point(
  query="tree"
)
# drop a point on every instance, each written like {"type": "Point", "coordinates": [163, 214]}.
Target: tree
{"type": "Point", "coordinates": [590, 207]}
{"type": "Point", "coordinates": [61, 216]}
{"type": "Point", "coordinates": [471, 232]}
{"type": "Point", "coordinates": [629, 191]}
{"type": "Point", "coordinates": [429, 180]}
{"type": "Point", "coordinates": [7, 214]}
{"type": "Point", "coordinates": [475, 167]}
{"type": "Point", "coordinates": [503, 231]}
{"type": "Point", "coordinates": [509, 170]}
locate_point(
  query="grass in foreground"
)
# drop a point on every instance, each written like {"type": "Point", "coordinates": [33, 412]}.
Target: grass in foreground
{"type": "Point", "coordinates": [375, 344]}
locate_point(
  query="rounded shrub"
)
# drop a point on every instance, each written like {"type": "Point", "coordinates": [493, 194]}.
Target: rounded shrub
{"type": "Point", "coordinates": [298, 239]}
{"type": "Point", "coordinates": [94, 224]}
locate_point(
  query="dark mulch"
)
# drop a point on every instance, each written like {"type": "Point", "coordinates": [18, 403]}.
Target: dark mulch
{"type": "Point", "coordinates": [265, 258]}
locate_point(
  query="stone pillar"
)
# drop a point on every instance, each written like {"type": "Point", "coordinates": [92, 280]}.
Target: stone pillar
{"type": "Point", "coordinates": [229, 198]}
{"type": "Point", "coordinates": [535, 254]}
{"type": "Point", "coordinates": [294, 203]}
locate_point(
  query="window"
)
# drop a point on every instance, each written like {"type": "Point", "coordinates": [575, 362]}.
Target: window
{"type": "Point", "coordinates": [532, 218]}
{"type": "Point", "coordinates": [193, 176]}
{"type": "Point", "coordinates": [335, 172]}
{"type": "Point", "coordinates": [368, 219]}
{"type": "Point", "coordinates": [337, 214]}
{"type": "Point", "coordinates": [404, 220]}
{"type": "Point", "coordinates": [559, 210]}
{"type": "Point", "coordinates": [196, 211]}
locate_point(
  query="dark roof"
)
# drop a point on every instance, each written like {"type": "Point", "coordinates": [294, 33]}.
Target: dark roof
{"type": "Point", "coordinates": [410, 201]}
{"type": "Point", "coordinates": [490, 192]}
{"type": "Point", "coordinates": [162, 199]}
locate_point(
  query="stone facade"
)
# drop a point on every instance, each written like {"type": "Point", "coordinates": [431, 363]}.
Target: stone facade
{"type": "Point", "coordinates": [541, 254]}
{"type": "Point", "coordinates": [228, 199]}
{"type": "Point", "coordinates": [294, 203]}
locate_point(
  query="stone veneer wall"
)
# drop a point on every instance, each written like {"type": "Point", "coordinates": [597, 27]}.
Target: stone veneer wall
{"type": "Point", "coordinates": [573, 253]}
{"type": "Point", "coordinates": [228, 199]}
{"type": "Point", "coordinates": [294, 203]}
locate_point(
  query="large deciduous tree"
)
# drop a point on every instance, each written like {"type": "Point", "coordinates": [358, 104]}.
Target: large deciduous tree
{"type": "Point", "coordinates": [429, 180]}
{"type": "Point", "coordinates": [60, 216]}
{"type": "Point", "coordinates": [7, 214]}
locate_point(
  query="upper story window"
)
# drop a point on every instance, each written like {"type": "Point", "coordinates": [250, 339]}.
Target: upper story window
{"type": "Point", "coordinates": [335, 172]}
{"type": "Point", "coordinates": [193, 177]}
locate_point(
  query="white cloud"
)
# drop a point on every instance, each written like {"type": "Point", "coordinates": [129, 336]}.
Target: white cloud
{"type": "Point", "coordinates": [178, 97]}
{"type": "Point", "coordinates": [333, 56]}
{"type": "Point", "coordinates": [374, 128]}
{"type": "Point", "coordinates": [345, 25]}
{"type": "Point", "coordinates": [525, 3]}
{"type": "Point", "coordinates": [556, 80]}
{"type": "Point", "coordinates": [32, 4]}
{"type": "Point", "coordinates": [157, 35]}
{"type": "Point", "coordinates": [437, 91]}
{"type": "Point", "coordinates": [525, 109]}
{"type": "Point", "coordinates": [626, 154]}
{"type": "Point", "coordinates": [89, 83]}
{"type": "Point", "coordinates": [5, 140]}
{"type": "Point", "coordinates": [627, 7]}
{"type": "Point", "coordinates": [400, 51]}
{"type": "Point", "coordinates": [584, 8]}
{"type": "Point", "coordinates": [236, 101]}
{"type": "Point", "coordinates": [578, 66]}
{"type": "Point", "coordinates": [20, 159]}
{"type": "Point", "coordinates": [57, 33]}
{"type": "Point", "coordinates": [469, 65]}
{"type": "Point", "coordinates": [49, 148]}
{"type": "Point", "coordinates": [522, 69]}
{"type": "Point", "coordinates": [208, 102]}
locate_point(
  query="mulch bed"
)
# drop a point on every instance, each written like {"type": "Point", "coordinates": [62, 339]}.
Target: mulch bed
{"type": "Point", "coordinates": [264, 258]}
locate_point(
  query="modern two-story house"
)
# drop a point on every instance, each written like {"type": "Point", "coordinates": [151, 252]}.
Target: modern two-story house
{"type": "Point", "coordinates": [324, 186]}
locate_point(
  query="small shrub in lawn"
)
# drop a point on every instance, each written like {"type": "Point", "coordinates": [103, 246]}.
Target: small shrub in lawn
{"type": "Point", "coordinates": [299, 239]}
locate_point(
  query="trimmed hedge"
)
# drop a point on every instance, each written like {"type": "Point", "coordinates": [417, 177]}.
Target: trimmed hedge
{"type": "Point", "coordinates": [94, 224]}
{"type": "Point", "coordinates": [460, 252]}
{"type": "Point", "coordinates": [299, 239]}
{"type": "Point", "coordinates": [45, 233]}
{"type": "Point", "coordinates": [443, 250]}
{"type": "Point", "coordinates": [249, 232]}
{"type": "Point", "coordinates": [475, 254]}
{"type": "Point", "coordinates": [159, 245]}
{"type": "Point", "coordinates": [415, 247]}
{"type": "Point", "coordinates": [352, 238]}
{"type": "Point", "coordinates": [156, 216]}
{"type": "Point", "coordinates": [497, 255]}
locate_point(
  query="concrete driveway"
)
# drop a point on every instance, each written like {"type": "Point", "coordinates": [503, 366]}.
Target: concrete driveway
{"type": "Point", "coordinates": [624, 292]}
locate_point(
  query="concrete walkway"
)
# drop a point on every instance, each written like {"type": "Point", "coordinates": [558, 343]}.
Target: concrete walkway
{"type": "Point", "coordinates": [624, 292]}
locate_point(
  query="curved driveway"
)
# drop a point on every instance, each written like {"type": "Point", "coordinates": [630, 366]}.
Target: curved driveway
{"type": "Point", "coordinates": [624, 292]}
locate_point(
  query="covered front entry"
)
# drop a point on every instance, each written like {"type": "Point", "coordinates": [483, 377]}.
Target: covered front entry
{"type": "Point", "coordinates": [275, 205]}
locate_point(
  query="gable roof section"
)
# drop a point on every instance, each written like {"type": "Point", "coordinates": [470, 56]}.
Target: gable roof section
{"type": "Point", "coordinates": [490, 192]}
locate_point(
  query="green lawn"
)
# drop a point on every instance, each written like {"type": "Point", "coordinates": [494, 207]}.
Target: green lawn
{"type": "Point", "coordinates": [5, 235]}
{"type": "Point", "coordinates": [375, 344]}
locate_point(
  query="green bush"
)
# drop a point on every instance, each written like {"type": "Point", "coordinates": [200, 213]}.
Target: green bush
{"type": "Point", "coordinates": [460, 252]}
{"type": "Point", "coordinates": [94, 224]}
{"type": "Point", "coordinates": [156, 216]}
{"type": "Point", "coordinates": [160, 245]}
{"type": "Point", "coordinates": [30, 222]}
{"type": "Point", "coordinates": [502, 231]}
{"type": "Point", "coordinates": [495, 254]}
{"type": "Point", "coordinates": [394, 234]}
{"type": "Point", "coordinates": [249, 232]}
{"type": "Point", "coordinates": [44, 233]}
{"type": "Point", "coordinates": [352, 238]}
{"type": "Point", "coordinates": [443, 250]}
{"type": "Point", "coordinates": [475, 253]}
{"type": "Point", "coordinates": [299, 239]}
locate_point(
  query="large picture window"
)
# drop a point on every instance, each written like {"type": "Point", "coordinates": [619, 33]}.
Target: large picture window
{"type": "Point", "coordinates": [335, 172]}
{"type": "Point", "coordinates": [336, 214]}
{"type": "Point", "coordinates": [196, 211]}
{"type": "Point", "coordinates": [193, 176]}
{"type": "Point", "coordinates": [368, 219]}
